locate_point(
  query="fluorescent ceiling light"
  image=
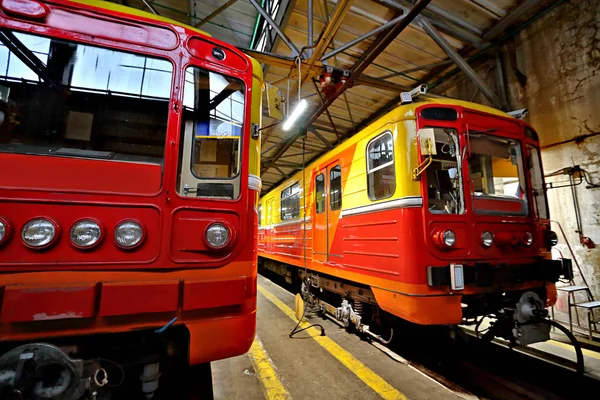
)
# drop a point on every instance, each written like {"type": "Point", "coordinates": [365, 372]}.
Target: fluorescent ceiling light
{"type": "Point", "coordinates": [300, 108]}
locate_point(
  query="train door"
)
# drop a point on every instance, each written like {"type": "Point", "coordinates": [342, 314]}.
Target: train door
{"type": "Point", "coordinates": [269, 204]}
{"type": "Point", "coordinates": [327, 203]}
{"type": "Point", "coordinates": [319, 216]}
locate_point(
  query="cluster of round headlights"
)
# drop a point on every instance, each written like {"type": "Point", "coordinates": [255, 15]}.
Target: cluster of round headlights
{"type": "Point", "coordinates": [40, 233]}
{"type": "Point", "coordinates": [87, 233]}
{"type": "Point", "coordinates": [487, 239]}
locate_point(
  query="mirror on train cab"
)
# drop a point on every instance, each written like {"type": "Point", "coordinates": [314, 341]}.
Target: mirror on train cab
{"type": "Point", "coordinates": [427, 141]}
{"type": "Point", "coordinates": [273, 102]}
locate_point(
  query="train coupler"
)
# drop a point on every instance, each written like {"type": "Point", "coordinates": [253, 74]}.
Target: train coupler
{"type": "Point", "coordinates": [522, 325]}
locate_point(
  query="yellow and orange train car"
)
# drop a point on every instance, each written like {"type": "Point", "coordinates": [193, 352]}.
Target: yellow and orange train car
{"type": "Point", "coordinates": [436, 213]}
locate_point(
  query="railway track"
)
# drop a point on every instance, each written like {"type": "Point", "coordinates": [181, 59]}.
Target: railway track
{"type": "Point", "coordinates": [477, 370]}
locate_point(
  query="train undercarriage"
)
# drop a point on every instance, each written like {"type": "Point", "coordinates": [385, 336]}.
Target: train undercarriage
{"type": "Point", "coordinates": [520, 317]}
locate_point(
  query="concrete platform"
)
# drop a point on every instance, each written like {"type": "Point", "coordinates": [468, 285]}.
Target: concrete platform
{"type": "Point", "coordinates": [338, 365]}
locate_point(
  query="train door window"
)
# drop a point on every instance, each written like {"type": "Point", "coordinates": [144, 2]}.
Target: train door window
{"type": "Point", "coordinates": [320, 193]}
{"type": "Point", "coordinates": [335, 187]}
{"type": "Point", "coordinates": [211, 132]}
{"type": "Point", "coordinates": [537, 182]}
{"type": "Point", "coordinates": [381, 173]}
{"type": "Point", "coordinates": [444, 183]}
{"type": "Point", "coordinates": [290, 202]}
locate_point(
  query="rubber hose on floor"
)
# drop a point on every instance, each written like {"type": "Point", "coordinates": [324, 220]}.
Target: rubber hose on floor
{"type": "Point", "coordinates": [573, 339]}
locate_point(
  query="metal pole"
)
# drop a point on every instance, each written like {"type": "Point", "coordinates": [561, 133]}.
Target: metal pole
{"type": "Point", "coordinates": [310, 27]}
{"type": "Point", "coordinates": [367, 35]}
{"type": "Point", "coordinates": [460, 62]}
{"type": "Point", "coordinates": [150, 7]}
{"type": "Point", "coordinates": [275, 27]}
{"type": "Point", "coordinates": [501, 81]}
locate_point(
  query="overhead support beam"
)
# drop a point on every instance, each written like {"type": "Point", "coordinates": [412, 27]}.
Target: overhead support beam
{"type": "Point", "coordinates": [320, 137]}
{"type": "Point", "coordinates": [317, 69]}
{"type": "Point", "coordinates": [327, 111]}
{"type": "Point", "coordinates": [150, 7]}
{"type": "Point", "coordinates": [331, 27]}
{"type": "Point", "coordinates": [461, 63]}
{"type": "Point", "coordinates": [501, 82]}
{"type": "Point", "coordinates": [488, 5]}
{"type": "Point", "coordinates": [510, 19]}
{"type": "Point", "coordinates": [377, 47]}
{"type": "Point", "coordinates": [367, 35]}
{"type": "Point", "coordinates": [275, 27]}
{"type": "Point", "coordinates": [457, 33]}
{"type": "Point", "coordinates": [213, 14]}
{"type": "Point", "coordinates": [420, 68]}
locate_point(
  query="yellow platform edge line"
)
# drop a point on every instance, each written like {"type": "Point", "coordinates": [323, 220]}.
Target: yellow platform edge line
{"type": "Point", "coordinates": [586, 352]}
{"type": "Point", "coordinates": [265, 370]}
{"type": "Point", "coordinates": [364, 373]}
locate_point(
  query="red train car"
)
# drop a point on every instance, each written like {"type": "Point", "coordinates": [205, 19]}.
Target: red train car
{"type": "Point", "coordinates": [128, 188]}
{"type": "Point", "coordinates": [436, 213]}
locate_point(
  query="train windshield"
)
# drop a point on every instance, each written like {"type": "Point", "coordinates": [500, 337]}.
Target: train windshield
{"type": "Point", "coordinates": [497, 175]}
{"type": "Point", "coordinates": [64, 99]}
{"type": "Point", "coordinates": [444, 180]}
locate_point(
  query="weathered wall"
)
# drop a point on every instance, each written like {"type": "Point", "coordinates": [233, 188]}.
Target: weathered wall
{"type": "Point", "coordinates": [552, 68]}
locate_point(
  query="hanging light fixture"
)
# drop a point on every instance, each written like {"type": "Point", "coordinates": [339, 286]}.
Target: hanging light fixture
{"type": "Point", "coordinates": [298, 111]}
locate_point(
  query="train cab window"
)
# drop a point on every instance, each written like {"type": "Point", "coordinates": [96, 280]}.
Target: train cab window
{"type": "Point", "coordinates": [444, 183]}
{"type": "Point", "coordinates": [335, 185]}
{"type": "Point", "coordinates": [290, 202]}
{"type": "Point", "coordinates": [74, 100]}
{"type": "Point", "coordinates": [497, 176]}
{"type": "Point", "coordinates": [320, 194]}
{"type": "Point", "coordinates": [381, 173]}
{"type": "Point", "coordinates": [537, 182]}
{"type": "Point", "coordinates": [211, 134]}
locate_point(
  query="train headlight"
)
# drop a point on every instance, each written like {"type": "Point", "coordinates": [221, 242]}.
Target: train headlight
{"type": "Point", "coordinates": [39, 233]}
{"type": "Point", "coordinates": [552, 238]}
{"type": "Point", "coordinates": [528, 239]}
{"type": "Point", "coordinates": [449, 238]}
{"type": "Point", "coordinates": [3, 230]}
{"type": "Point", "coordinates": [129, 234]}
{"type": "Point", "coordinates": [86, 233]}
{"type": "Point", "coordinates": [487, 239]}
{"type": "Point", "coordinates": [217, 236]}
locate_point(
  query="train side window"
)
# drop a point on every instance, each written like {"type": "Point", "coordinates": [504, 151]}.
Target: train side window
{"type": "Point", "coordinates": [290, 202]}
{"type": "Point", "coordinates": [320, 194]}
{"type": "Point", "coordinates": [335, 185]}
{"type": "Point", "coordinates": [381, 173]}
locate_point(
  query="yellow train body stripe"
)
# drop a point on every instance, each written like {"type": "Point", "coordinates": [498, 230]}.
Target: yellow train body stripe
{"type": "Point", "coordinates": [271, 384]}
{"type": "Point", "coordinates": [364, 373]}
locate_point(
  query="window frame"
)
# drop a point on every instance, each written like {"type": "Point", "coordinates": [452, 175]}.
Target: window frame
{"type": "Point", "coordinates": [242, 128]}
{"type": "Point", "coordinates": [190, 192]}
{"type": "Point", "coordinates": [288, 197]}
{"type": "Point", "coordinates": [114, 46]}
{"type": "Point", "coordinates": [331, 188]}
{"type": "Point", "coordinates": [316, 194]}
{"type": "Point", "coordinates": [392, 163]}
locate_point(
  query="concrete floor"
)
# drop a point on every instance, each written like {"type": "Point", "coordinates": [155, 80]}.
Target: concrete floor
{"type": "Point", "coordinates": [340, 366]}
